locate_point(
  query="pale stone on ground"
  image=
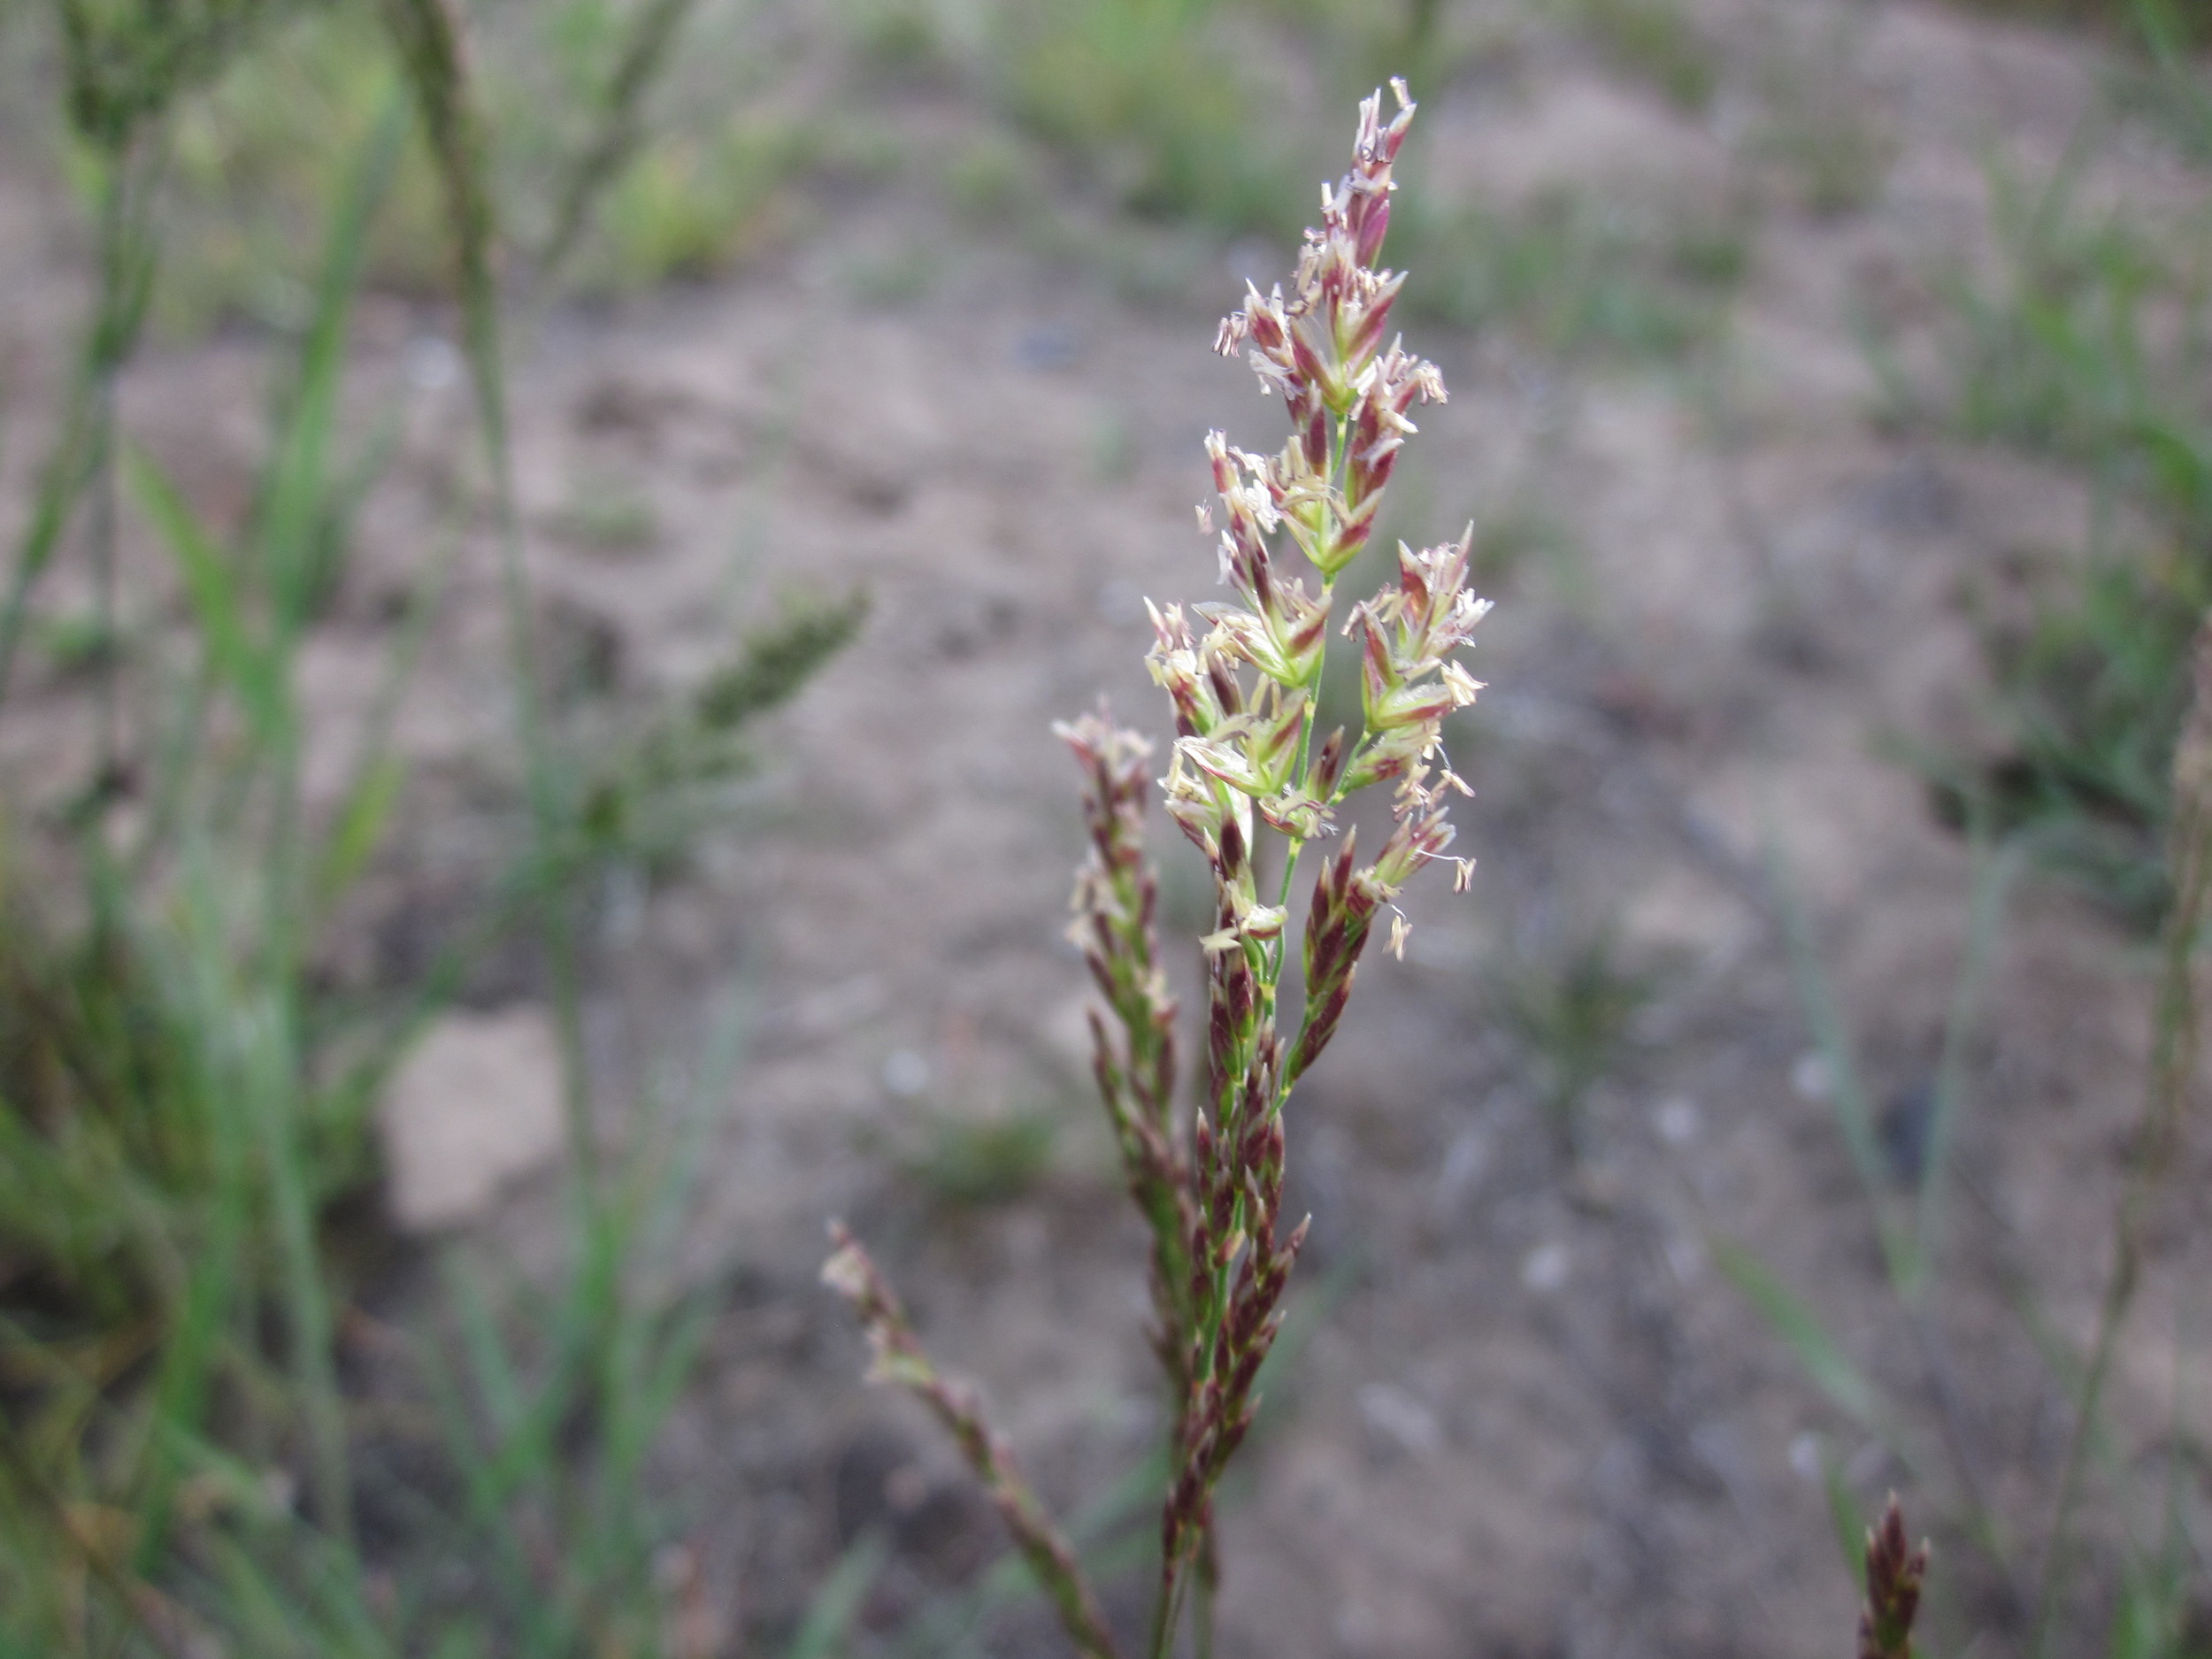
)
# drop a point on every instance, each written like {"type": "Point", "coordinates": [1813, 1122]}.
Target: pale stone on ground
{"type": "Point", "coordinates": [476, 1106]}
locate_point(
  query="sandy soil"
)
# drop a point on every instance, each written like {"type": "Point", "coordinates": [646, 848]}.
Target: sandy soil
{"type": "Point", "coordinates": [1530, 1414]}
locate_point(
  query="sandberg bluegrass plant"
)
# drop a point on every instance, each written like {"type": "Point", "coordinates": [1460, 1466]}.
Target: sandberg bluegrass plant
{"type": "Point", "coordinates": [1247, 766]}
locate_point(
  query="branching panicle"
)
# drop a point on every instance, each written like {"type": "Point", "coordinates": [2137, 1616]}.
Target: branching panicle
{"type": "Point", "coordinates": [899, 1359]}
{"type": "Point", "coordinates": [1247, 765]}
{"type": "Point", "coordinates": [1245, 762]}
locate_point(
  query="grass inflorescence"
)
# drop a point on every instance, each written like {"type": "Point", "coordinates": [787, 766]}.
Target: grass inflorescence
{"type": "Point", "coordinates": [1249, 768]}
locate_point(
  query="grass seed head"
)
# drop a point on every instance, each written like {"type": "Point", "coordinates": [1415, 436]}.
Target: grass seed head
{"type": "Point", "coordinates": [1894, 1573]}
{"type": "Point", "coordinates": [1244, 695]}
{"type": "Point", "coordinates": [1246, 760]}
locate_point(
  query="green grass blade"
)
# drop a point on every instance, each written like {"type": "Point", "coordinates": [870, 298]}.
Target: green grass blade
{"type": "Point", "coordinates": [1844, 1515]}
{"type": "Point", "coordinates": [127, 265]}
{"type": "Point", "coordinates": [655, 1378]}
{"type": "Point", "coordinates": [274, 1085]}
{"type": "Point", "coordinates": [295, 490]}
{"type": "Point", "coordinates": [217, 1284]}
{"type": "Point", "coordinates": [951, 1625]}
{"type": "Point", "coordinates": [1994, 875]}
{"type": "Point", "coordinates": [373, 790]}
{"type": "Point", "coordinates": [837, 1599]}
{"type": "Point", "coordinates": [492, 1372]}
{"type": "Point", "coordinates": [652, 31]}
{"type": "Point", "coordinates": [724, 1052]}
{"type": "Point", "coordinates": [486, 1529]}
{"type": "Point", "coordinates": [218, 606]}
{"type": "Point", "coordinates": [360, 830]}
{"type": "Point", "coordinates": [1799, 1328]}
{"type": "Point", "coordinates": [1847, 1093]}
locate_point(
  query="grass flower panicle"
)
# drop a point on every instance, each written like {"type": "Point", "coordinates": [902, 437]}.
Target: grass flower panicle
{"type": "Point", "coordinates": [1243, 681]}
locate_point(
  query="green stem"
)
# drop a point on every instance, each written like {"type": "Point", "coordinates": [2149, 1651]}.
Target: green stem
{"type": "Point", "coordinates": [652, 31]}
{"type": "Point", "coordinates": [2173, 1064]}
{"type": "Point", "coordinates": [427, 34]}
{"type": "Point", "coordinates": [280, 1087]}
{"type": "Point", "coordinates": [99, 532]}
{"type": "Point", "coordinates": [126, 269]}
{"type": "Point", "coordinates": [1168, 1616]}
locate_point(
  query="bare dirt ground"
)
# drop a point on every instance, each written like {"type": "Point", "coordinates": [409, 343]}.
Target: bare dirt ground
{"type": "Point", "coordinates": [1529, 1414]}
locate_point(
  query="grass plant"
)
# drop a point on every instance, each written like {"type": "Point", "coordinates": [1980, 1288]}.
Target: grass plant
{"type": "Point", "coordinates": [1249, 768]}
{"type": "Point", "coordinates": [1180, 111]}
{"type": "Point", "coordinates": [2092, 690]}
{"type": "Point", "coordinates": [1153, 98]}
{"type": "Point", "coordinates": [185, 1461]}
{"type": "Point", "coordinates": [2082, 345]}
{"type": "Point", "coordinates": [1656, 42]}
{"type": "Point", "coordinates": [989, 1161]}
{"type": "Point", "coordinates": [2086, 345]}
{"type": "Point", "coordinates": [617, 161]}
{"type": "Point", "coordinates": [1895, 1572]}
{"type": "Point", "coordinates": [2119, 18]}
{"type": "Point", "coordinates": [2178, 1035]}
{"type": "Point", "coordinates": [1572, 275]}
{"type": "Point", "coordinates": [2145, 1570]}
{"type": "Point", "coordinates": [1572, 1020]}
{"type": "Point", "coordinates": [1818, 125]}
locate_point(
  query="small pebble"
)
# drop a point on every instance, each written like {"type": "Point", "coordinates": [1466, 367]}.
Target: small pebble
{"type": "Point", "coordinates": [1397, 1416]}
{"type": "Point", "coordinates": [905, 1073]}
{"type": "Point", "coordinates": [1545, 1268]}
{"type": "Point", "coordinates": [1047, 346]}
{"type": "Point", "coordinates": [1810, 1077]}
{"type": "Point", "coordinates": [433, 364]}
{"type": "Point", "coordinates": [1676, 1118]}
{"type": "Point", "coordinates": [1805, 1455]}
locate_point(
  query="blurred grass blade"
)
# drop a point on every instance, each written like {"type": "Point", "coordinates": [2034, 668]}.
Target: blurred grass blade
{"type": "Point", "coordinates": [374, 791]}
{"type": "Point", "coordinates": [276, 1095]}
{"type": "Point", "coordinates": [213, 588]}
{"type": "Point", "coordinates": [1115, 1529]}
{"type": "Point", "coordinates": [497, 1386]}
{"type": "Point", "coordinates": [1994, 875]}
{"type": "Point", "coordinates": [295, 494]}
{"type": "Point", "coordinates": [653, 29]}
{"type": "Point", "coordinates": [428, 35]}
{"type": "Point", "coordinates": [1847, 1094]}
{"type": "Point", "coordinates": [664, 1355]}
{"type": "Point", "coordinates": [685, 1166]}
{"type": "Point", "coordinates": [127, 258]}
{"type": "Point", "coordinates": [485, 1524]}
{"type": "Point", "coordinates": [1844, 1514]}
{"type": "Point", "coordinates": [836, 1600]}
{"type": "Point", "coordinates": [184, 1385]}
{"type": "Point", "coordinates": [952, 1626]}
{"type": "Point", "coordinates": [360, 826]}
{"type": "Point", "coordinates": [1801, 1329]}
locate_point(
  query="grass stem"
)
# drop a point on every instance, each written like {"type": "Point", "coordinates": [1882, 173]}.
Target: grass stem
{"type": "Point", "coordinates": [2173, 1064]}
